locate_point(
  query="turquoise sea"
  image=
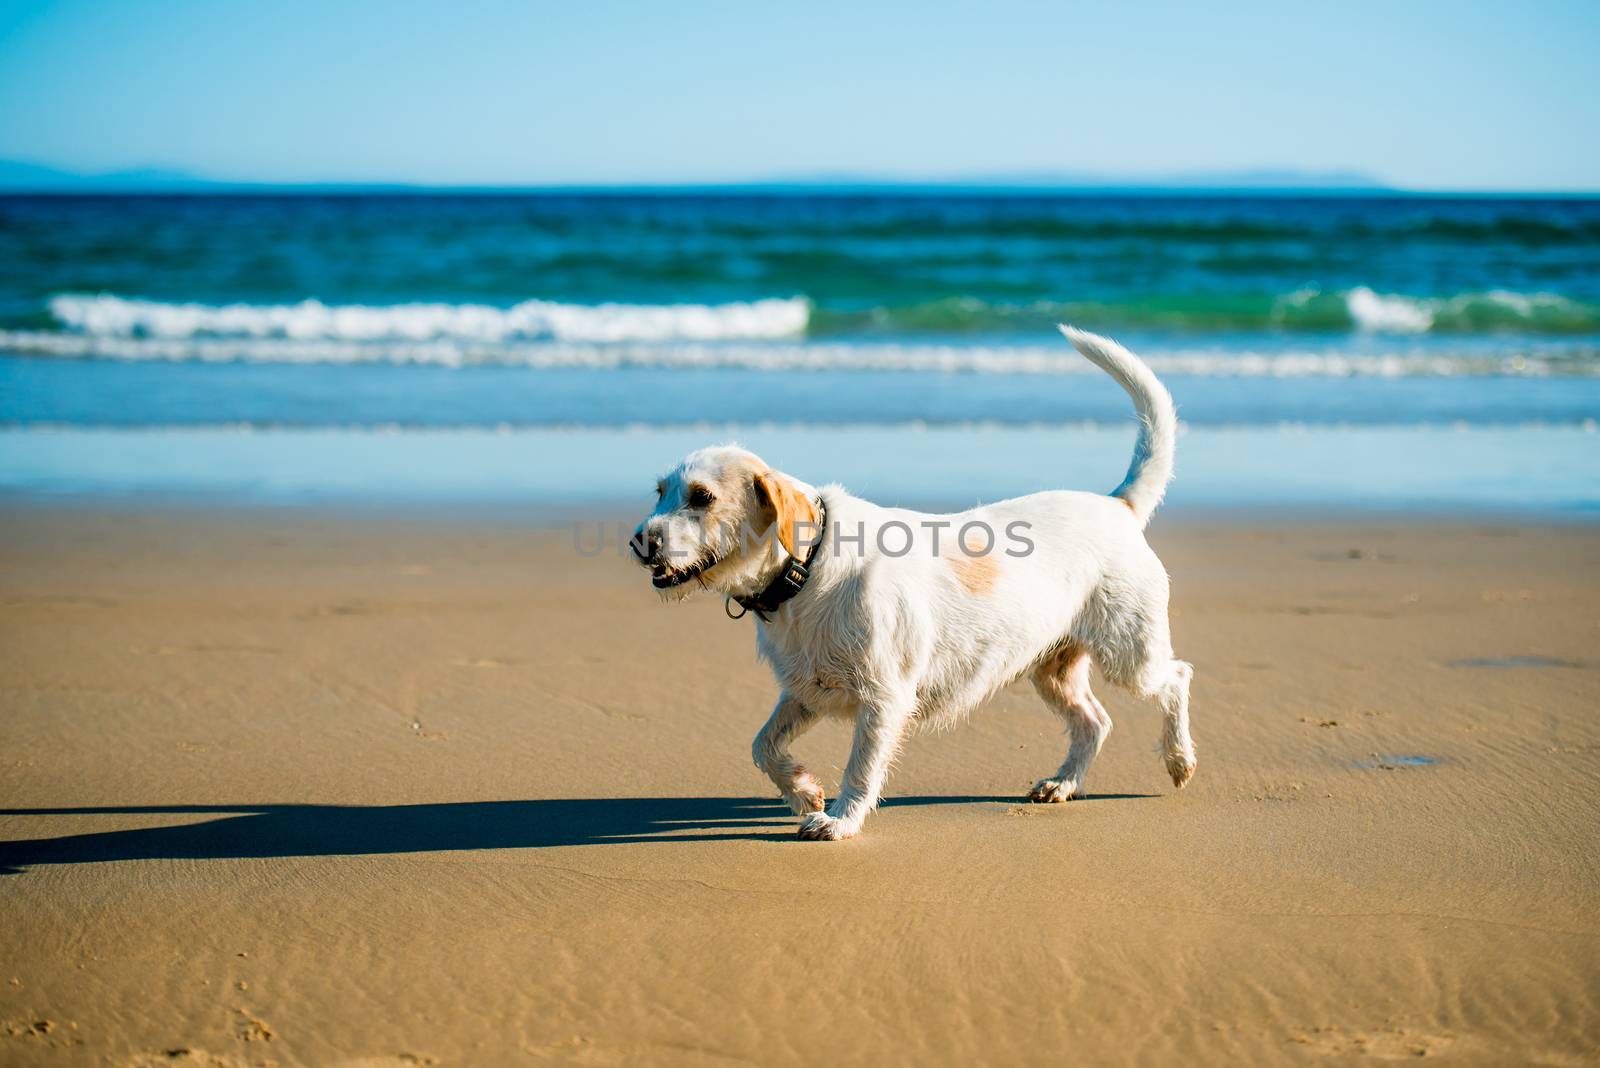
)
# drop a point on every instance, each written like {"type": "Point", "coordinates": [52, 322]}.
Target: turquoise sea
{"type": "Point", "coordinates": [336, 347]}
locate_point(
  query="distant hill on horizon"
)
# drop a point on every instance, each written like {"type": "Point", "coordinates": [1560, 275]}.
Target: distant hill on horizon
{"type": "Point", "coordinates": [21, 176]}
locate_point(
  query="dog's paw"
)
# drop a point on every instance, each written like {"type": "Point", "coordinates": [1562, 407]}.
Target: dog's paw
{"type": "Point", "coordinates": [806, 796]}
{"type": "Point", "coordinates": [821, 827]}
{"type": "Point", "coordinates": [1181, 770]}
{"type": "Point", "coordinates": [1051, 791]}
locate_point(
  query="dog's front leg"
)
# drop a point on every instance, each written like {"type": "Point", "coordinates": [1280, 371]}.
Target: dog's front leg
{"type": "Point", "coordinates": [879, 727]}
{"type": "Point", "coordinates": [771, 752]}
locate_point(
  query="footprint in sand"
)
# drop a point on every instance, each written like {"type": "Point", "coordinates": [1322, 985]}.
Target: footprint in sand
{"type": "Point", "coordinates": [252, 1029]}
{"type": "Point", "coordinates": [44, 1032]}
{"type": "Point", "coordinates": [1390, 1044]}
{"type": "Point", "coordinates": [186, 1058]}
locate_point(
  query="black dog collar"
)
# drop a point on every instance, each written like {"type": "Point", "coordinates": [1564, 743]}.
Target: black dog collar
{"type": "Point", "coordinates": [790, 581]}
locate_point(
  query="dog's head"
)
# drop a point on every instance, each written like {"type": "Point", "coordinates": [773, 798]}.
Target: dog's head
{"type": "Point", "coordinates": [725, 521]}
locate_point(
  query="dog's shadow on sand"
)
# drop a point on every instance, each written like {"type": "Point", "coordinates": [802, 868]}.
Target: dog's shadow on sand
{"type": "Point", "coordinates": [259, 831]}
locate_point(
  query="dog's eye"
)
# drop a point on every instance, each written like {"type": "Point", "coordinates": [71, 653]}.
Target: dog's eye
{"type": "Point", "coordinates": [700, 497]}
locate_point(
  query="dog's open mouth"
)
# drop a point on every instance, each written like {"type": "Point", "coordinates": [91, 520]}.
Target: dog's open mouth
{"type": "Point", "coordinates": [665, 576]}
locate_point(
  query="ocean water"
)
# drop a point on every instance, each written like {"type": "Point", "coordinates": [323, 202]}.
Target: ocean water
{"type": "Point", "coordinates": [302, 318]}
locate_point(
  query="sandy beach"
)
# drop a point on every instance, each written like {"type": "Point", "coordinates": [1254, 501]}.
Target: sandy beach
{"type": "Point", "coordinates": [342, 355]}
{"type": "Point", "coordinates": [312, 789]}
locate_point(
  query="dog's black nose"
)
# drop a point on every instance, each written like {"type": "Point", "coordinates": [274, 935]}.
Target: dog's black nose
{"type": "Point", "coordinates": [645, 545]}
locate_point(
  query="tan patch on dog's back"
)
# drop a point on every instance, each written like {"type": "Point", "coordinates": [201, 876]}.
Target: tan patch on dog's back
{"type": "Point", "coordinates": [974, 564]}
{"type": "Point", "coordinates": [976, 573]}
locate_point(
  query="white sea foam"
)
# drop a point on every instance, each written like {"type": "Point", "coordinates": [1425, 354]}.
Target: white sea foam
{"type": "Point", "coordinates": [464, 325]}
{"type": "Point", "coordinates": [1391, 313]}
{"type": "Point", "coordinates": [791, 356]}
{"type": "Point", "coordinates": [1388, 314]}
{"type": "Point", "coordinates": [106, 315]}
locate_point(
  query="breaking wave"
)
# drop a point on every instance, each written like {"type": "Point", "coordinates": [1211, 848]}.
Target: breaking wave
{"type": "Point", "coordinates": [106, 315]}
{"type": "Point", "coordinates": [1467, 313]}
{"type": "Point", "coordinates": [1308, 310]}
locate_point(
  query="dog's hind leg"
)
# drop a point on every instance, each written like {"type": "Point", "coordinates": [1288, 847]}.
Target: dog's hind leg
{"type": "Point", "coordinates": [788, 721]}
{"type": "Point", "coordinates": [1177, 748]}
{"type": "Point", "coordinates": [1062, 679]}
{"type": "Point", "coordinates": [1132, 643]}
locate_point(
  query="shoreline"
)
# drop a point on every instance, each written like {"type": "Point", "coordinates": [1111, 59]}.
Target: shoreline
{"type": "Point", "coordinates": [1533, 473]}
{"type": "Point", "coordinates": [611, 516]}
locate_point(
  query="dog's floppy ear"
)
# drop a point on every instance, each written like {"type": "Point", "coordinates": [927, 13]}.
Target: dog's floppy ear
{"type": "Point", "coordinates": [789, 508]}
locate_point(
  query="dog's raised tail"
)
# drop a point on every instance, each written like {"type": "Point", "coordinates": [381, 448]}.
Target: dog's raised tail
{"type": "Point", "coordinates": [1151, 469]}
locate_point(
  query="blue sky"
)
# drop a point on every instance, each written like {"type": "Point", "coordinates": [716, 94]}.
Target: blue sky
{"type": "Point", "coordinates": [1465, 95]}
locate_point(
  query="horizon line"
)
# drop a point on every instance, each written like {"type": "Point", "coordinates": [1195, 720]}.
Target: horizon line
{"type": "Point", "coordinates": [28, 177]}
{"type": "Point", "coordinates": [202, 187]}
{"type": "Point", "coordinates": [765, 189]}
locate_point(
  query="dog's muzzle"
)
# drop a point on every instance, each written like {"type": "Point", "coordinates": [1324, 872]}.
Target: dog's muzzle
{"type": "Point", "coordinates": [646, 547]}
{"type": "Point", "coordinates": [665, 576]}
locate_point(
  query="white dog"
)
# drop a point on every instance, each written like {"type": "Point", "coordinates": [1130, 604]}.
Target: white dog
{"type": "Point", "coordinates": [892, 618]}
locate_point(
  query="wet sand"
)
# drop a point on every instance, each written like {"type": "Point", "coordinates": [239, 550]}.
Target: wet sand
{"type": "Point", "coordinates": [313, 789]}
